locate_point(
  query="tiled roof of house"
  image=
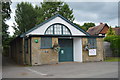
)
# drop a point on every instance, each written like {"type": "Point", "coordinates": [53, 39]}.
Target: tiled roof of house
{"type": "Point", "coordinates": [117, 30]}
{"type": "Point", "coordinates": [96, 29]}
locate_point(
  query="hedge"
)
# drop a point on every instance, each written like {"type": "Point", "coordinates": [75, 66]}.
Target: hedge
{"type": "Point", "coordinates": [114, 44]}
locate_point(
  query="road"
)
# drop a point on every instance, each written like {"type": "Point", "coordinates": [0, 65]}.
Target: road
{"type": "Point", "coordinates": [61, 70]}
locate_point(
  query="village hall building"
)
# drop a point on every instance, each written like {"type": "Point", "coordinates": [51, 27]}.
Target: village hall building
{"type": "Point", "coordinates": [56, 40]}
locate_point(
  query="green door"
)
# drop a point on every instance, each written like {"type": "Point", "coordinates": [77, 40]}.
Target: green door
{"type": "Point", "coordinates": [66, 51]}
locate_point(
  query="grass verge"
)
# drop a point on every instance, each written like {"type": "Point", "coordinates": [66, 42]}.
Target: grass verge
{"type": "Point", "coordinates": [112, 59]}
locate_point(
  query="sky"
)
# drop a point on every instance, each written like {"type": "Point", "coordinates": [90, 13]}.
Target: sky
{"type": "Point", "coordinates": [84, 11]}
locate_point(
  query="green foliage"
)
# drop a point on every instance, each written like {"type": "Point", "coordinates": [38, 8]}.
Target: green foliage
{"type": "Point", "coordinates": [5, 16]}
{"type": "Point", "coordinates": [117, 26]}
{"type": "Point", "coordinates": [49, 9]}
{"type": "Point", "coordinates": [88, 25]}
{"type": "Point", "coordinates": [110, 32]}
{"type": "Point", "coordinates": [112, 59]}
{"type": "Point", "coordinates": [28, 16]}
{"type": "Point", "coordinates": [82, 27]}
{"type": "Point", "coordinates": [25, 17]}
{"type": "Point", "coordinates": [114, 43]}
{"type": "Point", "coordinates": [17, 31]}
{"type": "Point", "coordinates": [85, 26]}
{"type": "Point", "coordinates": [108, 38]}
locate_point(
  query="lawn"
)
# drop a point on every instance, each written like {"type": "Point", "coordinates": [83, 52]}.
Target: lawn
{"type": "Point", "coordinates": [112, 59]}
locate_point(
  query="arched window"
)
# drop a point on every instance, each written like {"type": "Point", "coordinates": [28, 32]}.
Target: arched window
{"type": "Point", "coordinates": [57, 29]}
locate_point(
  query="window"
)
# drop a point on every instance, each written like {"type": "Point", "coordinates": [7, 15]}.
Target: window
{"type": "Point", "coordinates": [46, 42]}
{"type": "Point", "coordinates": [65, 31]}
{"type": "Point", "coordinates": [58, 29]}
{"type": "Point", "coordinates": [92, 43]}
{"type": "Point", "coordinates": [50, 30]}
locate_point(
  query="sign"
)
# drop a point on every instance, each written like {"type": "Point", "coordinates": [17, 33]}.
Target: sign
{"type": "Point", "coordinates": [92, 52]}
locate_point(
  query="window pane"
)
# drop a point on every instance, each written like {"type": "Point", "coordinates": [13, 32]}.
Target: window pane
{"type": "Point", "coordinates": [57, 29]}
{"type": "Point", "coordinates": [65, 30]}
{"type": "Point", "coordinates": [46, 42]}
{"type": "Point", "coordinates": [92, 42]}
{"type": "Point", "coordinates": [49, 30]}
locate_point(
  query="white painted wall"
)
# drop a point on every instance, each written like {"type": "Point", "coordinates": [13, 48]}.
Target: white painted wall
{"type": "Point", "coordinates": [77, 49]}
{"type": "Point", "coordinates": [41, 30]}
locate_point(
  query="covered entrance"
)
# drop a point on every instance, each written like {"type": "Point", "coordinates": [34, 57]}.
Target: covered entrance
{"type": "Point", "coordinates": [66, 51]}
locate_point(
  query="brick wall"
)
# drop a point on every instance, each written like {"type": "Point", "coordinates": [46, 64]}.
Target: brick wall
{"type": "Point", "coordinates": [43, 56]}
{"type": "Point", "coordinates": [99, 51]}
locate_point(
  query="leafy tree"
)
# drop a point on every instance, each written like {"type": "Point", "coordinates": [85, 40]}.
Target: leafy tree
{"type": "Point", "coordinates": [28, 16]}
{"type": "Point", "coordinates": [117, 26]}
{"type": "Point", "coordinates": [5, 16]}
{"type": "Point", "coordinates": [82, 27]}
{"type": "Point", "coordinates": [49, 9]}
{"type": "Point", "coordinates": [25, 17]}
{"type": "Point", "coordinates": [85, 26]}
{"type": "Point", "coordinates": [88, 25]}
{"type": "Point", "coordinates": [110, 32]}
{"type": "Point", "coordinates": [17, 31]}
{"type": "Point", "coordinates": [66, 12]}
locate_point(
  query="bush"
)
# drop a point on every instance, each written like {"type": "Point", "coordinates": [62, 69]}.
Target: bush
{"type": "Point", "coordinates": [114, 44]}
{"type": "Point", "coordinates": [110, 38]}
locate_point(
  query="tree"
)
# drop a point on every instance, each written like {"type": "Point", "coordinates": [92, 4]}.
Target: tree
{"type": "Point", "coordinates": [5, 16]}
{"type": "Point", "coordinates": [82, 27]}
{"type": "Point", "coordinates": [28, 16]}
{"type": "Point", "coordinates": [88, 25]}
{"type": "Point", "coordinates": [110, 32]}
{"type": "Point", "coordinates": [49, 9]}
{"type": "Point", "coordinates": [117, 26]}
{"type": "Point", "coordinates": [85, 26]}
{"type": "Point", "coordinates": [17, 31]}
{"type": "Point", "coordinates": [25, 17]}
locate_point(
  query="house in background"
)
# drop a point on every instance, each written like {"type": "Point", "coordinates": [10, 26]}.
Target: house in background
{"type": "Point", "coordinates": [36, 46]}
{"type": "Point", "coordinates": [101, 29]}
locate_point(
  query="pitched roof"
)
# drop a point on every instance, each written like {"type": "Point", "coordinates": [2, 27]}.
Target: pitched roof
{"type": "Point", "coordinates": [96, 29]}
{"type": "Point", "coordinates": [117, 30]}
{"type": "Point", "coordinates": [57, 15]}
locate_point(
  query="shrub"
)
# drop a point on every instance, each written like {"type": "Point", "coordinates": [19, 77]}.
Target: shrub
{"type": "Point", "coordinates": [109, 38]}
{"type": "Point", "coordinates": [114, 44]}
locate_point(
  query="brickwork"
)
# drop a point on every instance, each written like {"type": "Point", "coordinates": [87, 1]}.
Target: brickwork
{"type": "Point", "coordinates": [99, 51]}
{"type": "Point", "coordinates": [43, 56]}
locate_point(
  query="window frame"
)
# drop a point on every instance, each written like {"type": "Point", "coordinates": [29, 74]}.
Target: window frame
{"type": "Point", "coordinates": [62, 33]}
{"type": "Point", "coordinates": [92, 43]}
{"type": "Point", "coordinates": [45, 43]}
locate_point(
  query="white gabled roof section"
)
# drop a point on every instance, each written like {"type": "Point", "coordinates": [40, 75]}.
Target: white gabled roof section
{"type": "Point", "coordinates": [41, 29]}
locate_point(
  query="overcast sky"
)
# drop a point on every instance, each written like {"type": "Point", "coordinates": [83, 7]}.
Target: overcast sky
{"type": "Point", "coordinates": [92, 11]}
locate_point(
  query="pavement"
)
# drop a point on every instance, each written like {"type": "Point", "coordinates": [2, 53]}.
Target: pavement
{"type": "Point", "coordinates": [61, 70]}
